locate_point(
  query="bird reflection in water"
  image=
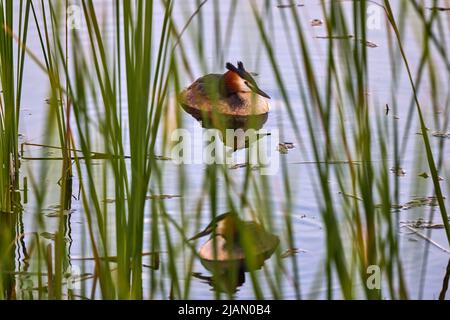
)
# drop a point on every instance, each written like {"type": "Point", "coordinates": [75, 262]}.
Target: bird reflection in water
{"type": "Point", "coordinates": [234, 247]}
{"type": "Point", "coordinates": [227, 283]}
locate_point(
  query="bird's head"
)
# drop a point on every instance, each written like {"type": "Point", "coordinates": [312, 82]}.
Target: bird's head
{"type": "Point", "coordinates": [237, 79]}
{"type": "Point", "coordinates": [225, 225]}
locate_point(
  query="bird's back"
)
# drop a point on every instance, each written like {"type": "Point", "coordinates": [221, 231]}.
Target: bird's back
{"type": "Point", "coordinates": [258, 239]}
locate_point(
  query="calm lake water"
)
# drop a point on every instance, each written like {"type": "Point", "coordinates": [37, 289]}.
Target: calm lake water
{"type": "Point", "coordinates": [424, 264]}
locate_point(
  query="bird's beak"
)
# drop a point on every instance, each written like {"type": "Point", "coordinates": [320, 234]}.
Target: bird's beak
{"type": "Point", "coordinates": [262, 93]}
{"type": "Point", "coordinates": [257, 90]}
{"type": "Point", "coordinates": [201, 234]}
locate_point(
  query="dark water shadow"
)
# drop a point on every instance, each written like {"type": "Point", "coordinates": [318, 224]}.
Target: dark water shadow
{"type": "Point", "coordinates": [228, 283]}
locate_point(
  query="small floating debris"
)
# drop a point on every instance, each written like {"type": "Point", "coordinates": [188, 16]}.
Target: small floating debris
{"type": "Point", "coordinates": [367, 43]}
{"type": "Point", "coordinates": [52, 236]}
{"type": "Point", "coordinates": [57, 214]}
{"type": "Point", "coordinates": [114, 258]}
{"type": "Point", "coordinates": [393, 207]}
{"type": "Point", "coordinates": [54, 211]}
{"type": "Point", "coordinates": [441, 134]}
{"type": "Point", "coordinates": [238, 166]}
{"type": "Point", "coordinates": [316, 23]}
{"type": "Point", "coordinates": [426, 176]}
{"type": "Point", "coordinates": [350, 196]}
{"type": "Point", "coordinates": [398, 171]}
{"type": "Point", "coordinates": [49, 100]}
{"type": "Point", "coordinates": [286, 6]}
{"type": "Point", "coordinates": [284, 147]}
{"type": "Point", "coordinates": [48, 235]}
{"type": "Point", "coordinates": [162, 197]}
{"type": "Point", "coordinates": [53, 207]}
{"type": "Point", "coordinates": [422, 224]}
{"type": "Point", "coordinates": [151, 197]}
{"type": "Point", "coordinates": [422, 202]}
{"type": "Point", "coordinates": [162, 158]}
{"type": "Point", "coordinates": [438, 8]}
{"type": "Point", "coordinates": [291, 252]}
{"type": "Point", "coordinates": [346, 37]}
{"type": "Point", "coordinates": [414, 203]}
{"type": "Point", "coordinates": [244, 165]}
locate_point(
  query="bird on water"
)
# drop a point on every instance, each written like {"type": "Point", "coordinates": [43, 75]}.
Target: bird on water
{"type": "Point", "coordinates": [234, 93]}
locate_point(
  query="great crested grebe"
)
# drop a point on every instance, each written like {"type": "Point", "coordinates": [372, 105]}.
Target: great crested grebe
{"type": "Point", "coordinates": [234, 93]}
{"type": "Point", "coordinates": [235, 243]}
